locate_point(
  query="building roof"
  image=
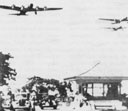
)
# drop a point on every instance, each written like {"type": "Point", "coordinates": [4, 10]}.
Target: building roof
{"type": "Point", "coordinates": [97, 79]}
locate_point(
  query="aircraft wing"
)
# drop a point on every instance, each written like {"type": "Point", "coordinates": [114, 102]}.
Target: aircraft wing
{"type": "Point", "coordinates": [108, 27]}
{"type": "Point", "coordinates": [13, 7]}
{"type": "Point", "coordinates": [107, 19]}
{"type": "Point", "coordinates": [47, 9]}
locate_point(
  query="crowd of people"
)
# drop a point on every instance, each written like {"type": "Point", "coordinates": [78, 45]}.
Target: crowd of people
{"type": "Point", "coordinates": [64, 92]}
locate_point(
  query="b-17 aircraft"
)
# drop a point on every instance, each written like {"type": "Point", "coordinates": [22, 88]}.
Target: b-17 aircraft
{"type": "Point", "coordinates": [116, 28]}
{"type": "Point", "coordinates": [115, 21]}
{"type": "Point", "coordinates": [23, 10]}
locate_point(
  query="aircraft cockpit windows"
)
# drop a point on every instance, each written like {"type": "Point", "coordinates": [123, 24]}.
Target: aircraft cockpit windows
{"type": "Point", "coordinates": [13, 6]}
{"type": "Point", "coordinates": [22, 7]}
{"type": "Point", "coordinates": [37, 7]}
{"type": "Point", "coordinates": [45, 7]}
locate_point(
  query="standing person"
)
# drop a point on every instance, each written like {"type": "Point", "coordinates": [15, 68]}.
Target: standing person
{"type": "Point", "coordinates": [1, 101]}
{"type": "Point", "coordinates": [78, 101]}
{"type": "Point", "coordinates": [52, 94]}
{"type": "Point", "coordinates": [32, 99]}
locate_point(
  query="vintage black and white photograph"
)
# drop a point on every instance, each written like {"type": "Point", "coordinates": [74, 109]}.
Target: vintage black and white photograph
{"type": "Point", "coordinates": [63, 55]}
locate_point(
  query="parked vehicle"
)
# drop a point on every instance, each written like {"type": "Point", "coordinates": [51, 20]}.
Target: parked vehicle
{"type": "Point", "coordinates": [48, 101]}
{"type": "Point", "coordinates": [21, 101]}
{"type": "Point", "coordinates": [6, 102]}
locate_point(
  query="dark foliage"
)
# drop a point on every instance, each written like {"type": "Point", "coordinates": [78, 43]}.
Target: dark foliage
{"type": "Point", "coordinates": [38, 80]}
{"type": "Point", "coordinates": [6, 72]}
{"type": "Point", "coordinates": [41, 88]}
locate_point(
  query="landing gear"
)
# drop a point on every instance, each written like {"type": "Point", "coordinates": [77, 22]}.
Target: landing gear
{"type": "Point", "coordinates": [35, 12]}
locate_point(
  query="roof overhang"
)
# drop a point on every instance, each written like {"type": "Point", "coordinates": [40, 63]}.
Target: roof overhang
{"type": "Point", "coordinates": [97, 79]}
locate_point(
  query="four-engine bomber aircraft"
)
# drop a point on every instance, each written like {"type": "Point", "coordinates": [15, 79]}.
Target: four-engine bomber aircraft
{"type": "Point", "coordinates": [115, 21]}
{"type": "Point", "coordinates": [116, 28]}
{"type": "Point", "coordinates": [23, 10]}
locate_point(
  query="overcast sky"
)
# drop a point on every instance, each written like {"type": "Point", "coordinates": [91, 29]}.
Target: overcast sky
{"type": "Point", "coordinates": [64, 43]}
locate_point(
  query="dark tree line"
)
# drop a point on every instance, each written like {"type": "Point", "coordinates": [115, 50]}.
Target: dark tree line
{"type": "Point", "coordinates": [61, 86]}
{"type": "Point", "coordinates": [38, 80]}
{"type": "Point", "coordinates": [6, 72]}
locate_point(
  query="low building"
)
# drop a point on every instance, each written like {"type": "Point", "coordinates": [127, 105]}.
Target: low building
{"type": "Point", "coordinates": [103, 91]}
